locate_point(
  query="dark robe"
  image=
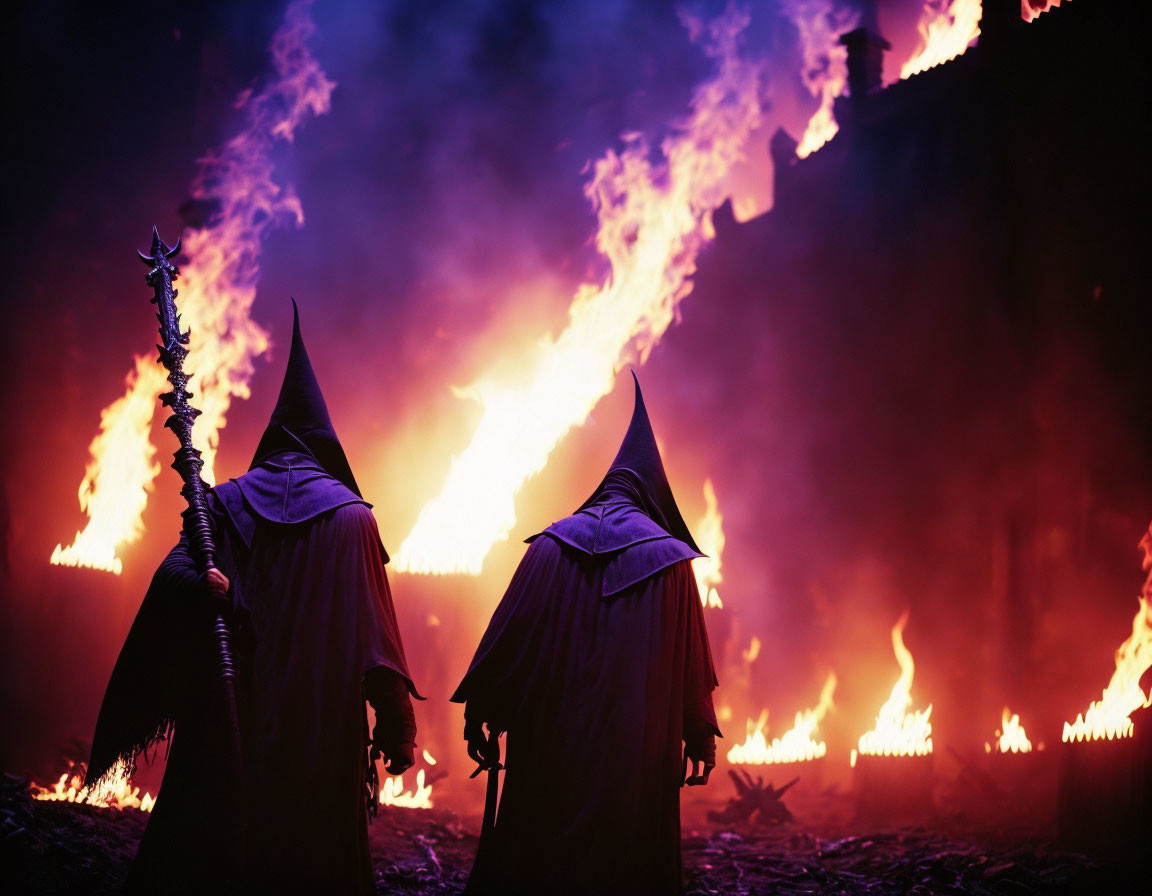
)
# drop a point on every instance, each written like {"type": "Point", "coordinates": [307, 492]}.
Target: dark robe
{"type": "Point", "coordinates": [313, 616]}
{"type": "Point", "coordinates": [314, 634]}
{"type": "Point", "coordinates": [596, 662]}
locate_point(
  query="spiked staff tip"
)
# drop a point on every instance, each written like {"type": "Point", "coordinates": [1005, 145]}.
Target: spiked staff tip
{"type": "Point", "coordinates": [159, 249]}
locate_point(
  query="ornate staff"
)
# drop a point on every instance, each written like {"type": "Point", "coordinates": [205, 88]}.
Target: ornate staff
{"type": "Point", "coordinates": [188, 464]}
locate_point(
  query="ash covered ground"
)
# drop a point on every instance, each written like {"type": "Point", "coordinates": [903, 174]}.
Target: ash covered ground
{"type": "Point", "coordinates": [983, 843]}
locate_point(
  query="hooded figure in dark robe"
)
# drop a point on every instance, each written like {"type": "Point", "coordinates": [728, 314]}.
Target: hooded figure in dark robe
{"type": "Point", "coordinates": [314, 635]}
{"type": "Point", "coordinates": [596, 663]}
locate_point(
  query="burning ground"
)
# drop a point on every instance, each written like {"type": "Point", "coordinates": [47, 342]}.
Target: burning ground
{"type": "Point", "coordinates": [63, 848]}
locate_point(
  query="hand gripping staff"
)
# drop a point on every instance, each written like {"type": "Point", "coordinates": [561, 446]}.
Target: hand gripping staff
{"type": "Point", "coordinates": [197, 527]}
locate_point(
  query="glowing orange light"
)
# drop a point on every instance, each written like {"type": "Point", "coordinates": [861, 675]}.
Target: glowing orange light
{"type": "Point", "coordinates": [1108, 717]}
{"type": "Point", "coordinates": [654, 218]}
{"type": "Point", "coordinates": [709, 533]}
{"type": "Point", "coordinates": [1011, 737]}
{"type": "Point", "coordinates": [217, 287]}
{"type": "Point", "coordinates": [825, 72]}
{"type": "Point", "coordinates": [898, 732]}
{"type": "Point", "coordinates": [795, 745]}
{"type": "Point", "coordinates": [113, 791]}
{"type": "Point", "coordinates": [392, 793]}
{"type": "Point", "coordinates": [947, 28]}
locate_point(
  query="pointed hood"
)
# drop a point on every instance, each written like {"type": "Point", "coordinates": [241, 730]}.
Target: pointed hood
{"type": "Point", "coordinates": [300, 419]}
{"type": "Point", "coordinates": [640, 456]}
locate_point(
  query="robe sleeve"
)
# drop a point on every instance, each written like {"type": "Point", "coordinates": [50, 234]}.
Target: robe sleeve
{"type": "Point", "coordinates": [359, 558]}
{"type": "Point", "coordinates": [493, 684]}
{"type": "Point", "coordinates": [700, 728]}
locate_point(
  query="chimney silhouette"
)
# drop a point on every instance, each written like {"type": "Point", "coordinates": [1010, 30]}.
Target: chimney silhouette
{"type": "Point", "coordinates": [865, 61]}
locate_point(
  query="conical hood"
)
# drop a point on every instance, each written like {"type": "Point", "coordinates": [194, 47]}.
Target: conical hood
{"type": "Point", "coordinates": [640, 456]}
{"type": "Point", "coordinates": [300, 418]}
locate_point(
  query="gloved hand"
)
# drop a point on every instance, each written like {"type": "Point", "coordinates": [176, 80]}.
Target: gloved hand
{"type": "Point", "coordinates": [480, 750]}
{"type": "Point", "coordinates": [398, 757]}
{"type": "Point", "coordinates": [701, 753]}
{"type": "Point", "coordinates": [217, 585]}
{"type": "Point", "coordinates": [395, 731]}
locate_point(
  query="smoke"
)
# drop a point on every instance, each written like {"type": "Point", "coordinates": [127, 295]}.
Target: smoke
{"type": "Point", "coordinates": [887, 423]}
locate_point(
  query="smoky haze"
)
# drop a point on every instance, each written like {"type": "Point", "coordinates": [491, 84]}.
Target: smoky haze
{"type": "Point", "coordinates": [883, 431]}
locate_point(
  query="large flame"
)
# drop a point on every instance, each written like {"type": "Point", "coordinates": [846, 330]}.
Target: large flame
{"type": "Point", "coordinates": [825, 63]}
{"type": "Point", "coordinates": [1108, 717]}
{"type": "Point", "coordinates": [113, 791]}
{"type": "Point", "coordinates": [796, 744]}
{"type": "Point", "coordinates": [217, 288]}
{"type": "Point", "coordinates": [654, 217]}
{"type": "Point", "coordinates": [709, 534]}
{"type": "Point", "coordinates": [898, 732]}
{"type": "Point", "coordinates": [947, 28]}
{"type": "Point", "coordinates": [1011, 737]}
{"type": "Point", "coordinates": [392, 793]}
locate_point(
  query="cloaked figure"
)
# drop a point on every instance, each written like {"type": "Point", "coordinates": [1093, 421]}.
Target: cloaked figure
{"type": "Point", "coordinates": [596, 664]}
{"type": "Point", "coordinates": [301, 567]}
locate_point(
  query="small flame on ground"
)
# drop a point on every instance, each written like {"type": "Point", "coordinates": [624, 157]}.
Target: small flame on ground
{"type": "Point", "coordinates": [709, 534]}
{"type": "Point", "coordinates": [114, 791]}
{"type": "Point", "coordinates": [825, 73]}
{"type": "Point", "coordinates": [654, 217]}
{"type": "Point", "coordinates": [218, 287]}
{"type": "Point", "coordinates": [753, 651]}
{"type": "Point", "coordinates": [947, 28]}
{"type": "Point", "coordinates": [1011, 737]}
{"type": "Point", "coordinates": [392, 793]}
{"type": "Point", "coordinates": [898, 732]}
{"type": "Point", "coordinates": [1108, 717]}
{"type": "Point", "coordinates": [795, 745]}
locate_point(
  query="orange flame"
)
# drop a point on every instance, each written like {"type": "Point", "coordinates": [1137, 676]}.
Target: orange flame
{"type": "Point", "coordinates": [947, 28]}
{"type": "Point", "coordinates": [1033, 9]}
{"type": "Point", "coordinates": [825, 64]}
{"type": "Point", "coordinates": [392, 793]}
{"type": "Point", "coordinates": [795, 745]}
{"type": "Point", "coordinates": [654, 218]}
{"type": "Point", "coordinates": [113, 791]}
{"type": "Point", "coordinates": [898, 732]}
{"type": "Point", "coordinates": [218, 287]}
{"type": "Point", "coordinates": [709, 534]}
{"type": "Point", "coordinates": [1108, 717]}
{"type": "Point", "coordinates": [1011, 737]}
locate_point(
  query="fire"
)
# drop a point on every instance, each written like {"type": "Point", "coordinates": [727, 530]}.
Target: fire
{"type": "Point", "coordinates": [218, 286]}
{"type": "Point", "coordinates": [393, 793]}
{"type": "Point", "coordinates": [1033, 9]}
{"type": "Point", "coordinates": [710, 536]}
{"type": "Point", "coordinates": [1108, 717]}
{"type": "Point", "coordinates": [947, 28]}
{"type": "Point", "coordinates": [795, 745]}
{"type": "Point", "coordinates": [898, 732]}
{"type": "Point", "coordinates": [825, 63]}
{"type": "Point", "coordinates": [1011, 736]}
{"type": "Point", "coordinates": [113, 791]}
{"type": "Point", "coordinates": [654, 217]}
